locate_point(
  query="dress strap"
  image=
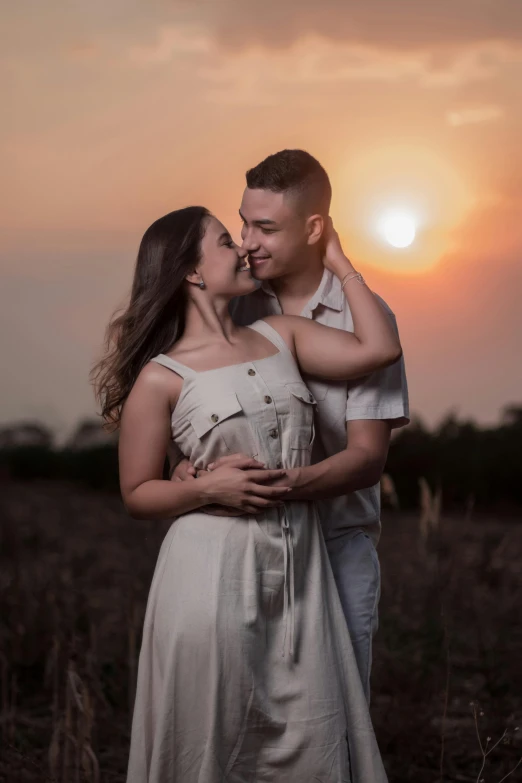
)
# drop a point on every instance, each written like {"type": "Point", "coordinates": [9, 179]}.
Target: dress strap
{"type": "Point", "coordinates": [271, 334]}
{"type": "Point", "coordinates": [172, 364]}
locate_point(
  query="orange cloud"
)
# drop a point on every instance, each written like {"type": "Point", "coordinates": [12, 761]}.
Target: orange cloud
{"type": "Point", "coordinates": [254, 75]}
{"type": "Point", "coordinates": [402, 24]}
{"type": "Point", "coordinates": [472, 116]}
{"type": "Point", "coordinates": [171, 41]}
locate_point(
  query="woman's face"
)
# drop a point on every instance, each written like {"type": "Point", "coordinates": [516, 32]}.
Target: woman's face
{"type": "Point", "coordinates": [224, 267]}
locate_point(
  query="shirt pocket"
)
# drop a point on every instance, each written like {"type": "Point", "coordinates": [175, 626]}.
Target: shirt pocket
{"type": "Point", "coordinates": [221, 425]}
{"type": "Point", "coordinates": [302, 409]}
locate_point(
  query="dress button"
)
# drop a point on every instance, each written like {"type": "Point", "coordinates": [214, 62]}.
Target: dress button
{"type": "Point", "coordinates": [268, 400]}
{"type": "Point", "coordinates": [251, 372]}
{"type": "Point", "coordinates": [310, 398]}
{"type": "Point", "coordinates": [273, 434]}
{"type": "Point", "coordinates": [214, 417]}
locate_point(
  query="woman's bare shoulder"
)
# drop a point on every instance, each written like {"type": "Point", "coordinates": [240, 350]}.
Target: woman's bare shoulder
{"type": "Point", "coordinates": [157, 382]}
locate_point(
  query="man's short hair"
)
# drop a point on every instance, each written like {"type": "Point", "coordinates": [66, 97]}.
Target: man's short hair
{"type": "Point", "coordinates": [295, 172]}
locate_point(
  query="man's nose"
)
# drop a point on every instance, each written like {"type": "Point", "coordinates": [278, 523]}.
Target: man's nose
{"type": "Point", "coordinates": [250, 243]}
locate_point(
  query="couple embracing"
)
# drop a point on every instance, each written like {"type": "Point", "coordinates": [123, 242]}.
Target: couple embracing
{"type": "Point", "coordinates": [272, 375]}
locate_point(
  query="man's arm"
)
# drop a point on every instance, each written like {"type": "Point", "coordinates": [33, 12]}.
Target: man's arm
{"type": "Point", "coordinates": [375, 405]}
{"type": "Point", "coordinates": [358, 466]}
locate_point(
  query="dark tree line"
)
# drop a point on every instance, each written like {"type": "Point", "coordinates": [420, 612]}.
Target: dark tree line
{"type": "Point", "coordinates": [474, 466]}
{"type": "Point", "coordinates": [479, 467]}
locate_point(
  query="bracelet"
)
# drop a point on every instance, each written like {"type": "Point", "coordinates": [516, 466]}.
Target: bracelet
{"type": "Point", "coordinates": [347, 278]}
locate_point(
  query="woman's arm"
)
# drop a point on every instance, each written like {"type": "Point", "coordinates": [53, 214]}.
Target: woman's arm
{"type": "Point", "coordinates": [335, 354]}
{"type": "Point", "coordinates": [144, 437]}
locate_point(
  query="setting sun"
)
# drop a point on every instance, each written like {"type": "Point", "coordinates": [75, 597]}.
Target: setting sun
{"type": "Point", "coordinates": [398, 206]}
{"type": "Point", "coordinates": [398, 229]}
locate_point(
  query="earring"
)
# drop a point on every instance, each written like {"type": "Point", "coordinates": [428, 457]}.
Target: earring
{"type": "Point", "coordinates": [202, 285]}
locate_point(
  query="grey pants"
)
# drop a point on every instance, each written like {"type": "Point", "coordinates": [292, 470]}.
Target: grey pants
{"type": "Point", "coordinates": [355, 565]}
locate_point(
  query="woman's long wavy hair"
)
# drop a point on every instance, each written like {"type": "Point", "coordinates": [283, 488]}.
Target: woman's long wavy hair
{"type": "Point", "coordinates": [155, 317]}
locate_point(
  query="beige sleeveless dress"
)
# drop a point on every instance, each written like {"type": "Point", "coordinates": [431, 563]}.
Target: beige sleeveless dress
{"type": "Point", "coordinates": [246, 671]}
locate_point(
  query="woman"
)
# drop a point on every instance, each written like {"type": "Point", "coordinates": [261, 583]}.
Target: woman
{"type": "Point", "coordinates": [246, 669]}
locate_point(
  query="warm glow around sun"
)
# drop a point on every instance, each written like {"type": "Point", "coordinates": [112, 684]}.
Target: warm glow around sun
{"type": "Point", "coordinates": [397, 208]}
{"type": "Point", "coordinates": [398, 229]}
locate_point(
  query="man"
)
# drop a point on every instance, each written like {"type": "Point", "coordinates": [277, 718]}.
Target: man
{"type": "Point", "coordinates": [354, 419]}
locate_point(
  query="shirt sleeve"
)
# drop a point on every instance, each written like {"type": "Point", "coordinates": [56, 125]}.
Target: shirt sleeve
{"type": "Point", "coordinates": [381, 395]}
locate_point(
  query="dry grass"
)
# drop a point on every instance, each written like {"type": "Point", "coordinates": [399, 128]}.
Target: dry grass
{"type": "Point", "coordinates": [74, 576]}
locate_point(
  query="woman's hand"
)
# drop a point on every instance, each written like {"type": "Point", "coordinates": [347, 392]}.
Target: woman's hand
{"type": "Point", "coordinates": [184, 471]}
{"type": "Point", "coordinates": [239, 486]}
{"type": "Point", "coordinates": [334, 257]}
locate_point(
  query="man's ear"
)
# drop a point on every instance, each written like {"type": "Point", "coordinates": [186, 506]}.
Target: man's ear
{"type": "Point", "coordinates": [315, 229]}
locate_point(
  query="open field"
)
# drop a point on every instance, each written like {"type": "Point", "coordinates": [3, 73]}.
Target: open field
{"type": "Point", "coordinates": [74, 575]}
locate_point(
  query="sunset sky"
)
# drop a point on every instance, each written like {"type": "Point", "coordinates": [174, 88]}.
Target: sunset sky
{"type": "Point", "coordinates": [119, 111]}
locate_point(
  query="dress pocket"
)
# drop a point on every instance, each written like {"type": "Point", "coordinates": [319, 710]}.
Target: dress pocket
{"type": "Point", "coordinates": [302, 406]}
{"type": "Point", "coordinates": [222, 424]}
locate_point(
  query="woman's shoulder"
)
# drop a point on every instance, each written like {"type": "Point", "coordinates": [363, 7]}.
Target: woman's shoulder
{"type": "Point", "coordinates": [277, 328]}
{"type": "Point", "coordinates": [281, 323]}
{"type": "Point", "coordinates": [157, 381]}
{"type": "Point", "coordinates": [285, 324]}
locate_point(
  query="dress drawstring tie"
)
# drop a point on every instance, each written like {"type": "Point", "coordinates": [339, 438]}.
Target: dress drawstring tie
{"type": "Point", "coordinates": [288, 587]}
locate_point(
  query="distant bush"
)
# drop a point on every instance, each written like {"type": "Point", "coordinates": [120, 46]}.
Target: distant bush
{"type": "Point", "coordinates": [482, 466]}
{"type": "Point", "coordinates": [30, 462]}
{"type": "Point", "coordinates": [96, 467]}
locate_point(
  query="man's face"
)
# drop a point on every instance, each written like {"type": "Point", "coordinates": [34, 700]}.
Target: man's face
{"type": "Point", "coordinates": [273, 233]}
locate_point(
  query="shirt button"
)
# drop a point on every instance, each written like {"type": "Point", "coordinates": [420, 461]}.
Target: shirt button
{"type": "Point", "coordinates": [214, 417]}
{"type": "Point", "coordinates": [273, 434]}
{"type": "Point", "coordinates": [279, 465]}
{"type": "Point", "coordinates": [251, 372]}
{"type": "Point", "coordinates": [310, 398]}
{"type": "Point", "coordinates": [268, 400]}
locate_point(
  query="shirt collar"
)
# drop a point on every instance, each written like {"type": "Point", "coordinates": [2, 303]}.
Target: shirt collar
{"type": "Point", "coordinates": [328, 294]}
